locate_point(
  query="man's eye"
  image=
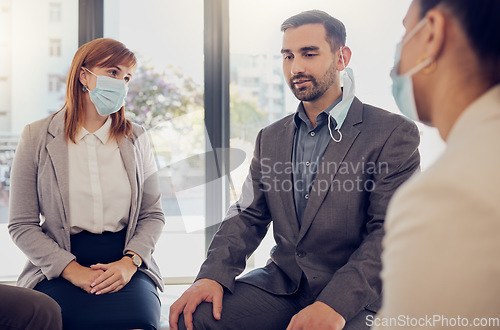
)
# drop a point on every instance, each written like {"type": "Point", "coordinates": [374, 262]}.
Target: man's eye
{"type": "Point", "coordinates": [287, 57]}
{"type": "Point", "coordinates": [127, 79]}
{"type": "Point", "coordinates": [310, 55]}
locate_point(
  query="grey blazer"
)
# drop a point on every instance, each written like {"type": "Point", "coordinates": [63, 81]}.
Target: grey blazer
{"type": "Point", "coordinates": [338, 245]}
{"type": "Point", "coordinates": [38, 218]}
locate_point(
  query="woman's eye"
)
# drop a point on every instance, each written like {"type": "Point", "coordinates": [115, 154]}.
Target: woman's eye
{"type": "Point", "coordinates": [127, 79]}
{"type": "Point", "coordinates": [113, 72]}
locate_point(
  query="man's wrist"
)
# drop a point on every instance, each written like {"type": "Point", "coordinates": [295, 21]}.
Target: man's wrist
{"type": "Point", "coordinates": [340, 320]}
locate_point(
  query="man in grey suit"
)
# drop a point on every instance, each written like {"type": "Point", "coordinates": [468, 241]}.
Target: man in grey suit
{"type": "Point", "coordinates": [323, 176]}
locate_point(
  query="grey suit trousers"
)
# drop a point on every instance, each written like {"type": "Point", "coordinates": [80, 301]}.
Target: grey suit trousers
{"type": "Point", "coordinates": [251, 308]}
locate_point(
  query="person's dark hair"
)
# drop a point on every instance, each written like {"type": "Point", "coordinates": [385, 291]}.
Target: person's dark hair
{"type": "Point", "coordinates": [480, 20]}
{"type": "Point", "coordinates": [335, 29]}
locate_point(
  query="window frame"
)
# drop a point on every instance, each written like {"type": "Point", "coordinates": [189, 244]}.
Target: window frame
{"type": "Point", "coordinates": [216, 103]}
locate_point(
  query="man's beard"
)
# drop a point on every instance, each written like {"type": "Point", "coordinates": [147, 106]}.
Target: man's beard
{"type": "Point", "coordinates": [318, 88]}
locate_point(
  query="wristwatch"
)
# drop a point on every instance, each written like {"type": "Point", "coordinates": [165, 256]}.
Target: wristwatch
{"type": "Point", "coordinates": [135, 259]}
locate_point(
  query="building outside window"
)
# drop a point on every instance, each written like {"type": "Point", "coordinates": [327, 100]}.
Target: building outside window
{"type": "Point", "coordinates": [55, 47]}
{"type": "Point", "coordinates": [55, 11]}
{"type": "Point", "coordinates": [56, 82]}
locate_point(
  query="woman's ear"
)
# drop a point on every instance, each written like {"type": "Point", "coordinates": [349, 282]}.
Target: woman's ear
{"type": "Point", "coordinates": [83, 77]}
{"type": "Point", "coordinates": [435, 33]}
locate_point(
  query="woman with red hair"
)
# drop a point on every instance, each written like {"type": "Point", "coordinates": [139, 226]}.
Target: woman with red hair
{"type": "Point", "coordinates": [85, 204]}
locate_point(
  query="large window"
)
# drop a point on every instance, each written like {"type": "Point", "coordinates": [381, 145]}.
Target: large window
{"type": "Point", "coordinates": [34, 60]}
{"type": "Point", "coordinates": [209, 78]}
{"type": "Point", "coordinates": [166, 96]}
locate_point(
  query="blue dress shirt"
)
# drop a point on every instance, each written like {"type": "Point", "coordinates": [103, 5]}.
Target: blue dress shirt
{"type": "Point", "coordinates": [309, 145]}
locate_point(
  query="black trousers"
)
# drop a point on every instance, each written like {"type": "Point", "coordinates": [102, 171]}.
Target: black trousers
{"type": "Point", "coordinates": [136, 306]}
{"type": "Point", "coordinates": [251, 308]}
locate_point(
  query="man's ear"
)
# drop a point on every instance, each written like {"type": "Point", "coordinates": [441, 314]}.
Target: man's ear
{"type": "Point", "coordinates": [435, 32]}
{"type": "Point", "coordinates": [346, 53]}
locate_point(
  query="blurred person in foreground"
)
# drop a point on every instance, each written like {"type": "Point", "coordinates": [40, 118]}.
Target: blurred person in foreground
{"type": "Point", "coordinates": [85, 203]}
{"type": "Point", "coordinates": [27, 309]}
{"type": "Point", "coordinates": [442, 245]}
{"type": "Point", "coordinates": [323, 176]}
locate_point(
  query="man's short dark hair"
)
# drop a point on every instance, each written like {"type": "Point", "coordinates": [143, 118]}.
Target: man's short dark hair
{"type": "Point", "coordinates": [335, 29]}
{"type": "Point", "coordinates": [480, 20]}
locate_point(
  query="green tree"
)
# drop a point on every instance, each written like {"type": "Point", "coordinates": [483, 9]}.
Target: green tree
{"type": "Point", "coordinates": [246, 118]}
{"type": "Point", "coordinates": [155, 97]}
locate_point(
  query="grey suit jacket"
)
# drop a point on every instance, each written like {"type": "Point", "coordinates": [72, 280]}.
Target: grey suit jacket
{"type": "Point", "coordinates": [338, 245]}
{"type": "Point", "coordinates": [38, 218]}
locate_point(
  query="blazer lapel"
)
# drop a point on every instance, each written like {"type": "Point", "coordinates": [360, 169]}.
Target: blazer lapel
{"type": "Point", "coordinates": [284, 154]}
{"type": "Point", "coordinates": [57, 150]}
{"type": "Point", "coordinates": [127, 152]}
{"type": "Point", "coordinates": [334, 156]}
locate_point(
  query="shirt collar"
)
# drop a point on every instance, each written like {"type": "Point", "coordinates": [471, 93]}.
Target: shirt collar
{"type": "Point", "coordinates": [301, 116]}
{"type": "Point", "coordinates": [102, 133]}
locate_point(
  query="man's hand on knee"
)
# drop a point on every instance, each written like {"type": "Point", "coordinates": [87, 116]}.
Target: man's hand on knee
{"type": "Point", "coordinates": [202, 290]}
{"type": "Point", "coordinates": [317, 316]}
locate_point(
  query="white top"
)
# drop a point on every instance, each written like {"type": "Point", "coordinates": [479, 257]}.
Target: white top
{"type": "Point", "coordinates": [441, 254]}
{"type": "Point", "coordinates": [99, 188]}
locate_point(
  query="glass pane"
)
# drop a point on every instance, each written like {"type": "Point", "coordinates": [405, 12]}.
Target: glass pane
{"type": "Point", "coordinates": [166, 97]}
{"type": "Point", "coordinates": [259, 93]}
{"type": "Point", "coordinates": [37, 42]}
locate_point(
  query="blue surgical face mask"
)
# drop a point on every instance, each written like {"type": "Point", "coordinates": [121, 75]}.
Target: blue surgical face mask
{"type": "Point", "coordinates": [342, 108]}
{"type": "Point", "coordinates": [402, 85]}
{"type": "Point", "coordinates": [108, 95]}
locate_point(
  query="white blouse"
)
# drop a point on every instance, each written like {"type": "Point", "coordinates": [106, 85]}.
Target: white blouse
{"type": "Point", "coordinates": [99, 188]}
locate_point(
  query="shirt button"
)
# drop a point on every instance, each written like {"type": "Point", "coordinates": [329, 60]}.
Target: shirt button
{"type": "Point", "coordinates": [308, 164]}
{"type": "Point", "coordinates": [306, 196]}
{"type": "Point", "coordinates": [313, 134]}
